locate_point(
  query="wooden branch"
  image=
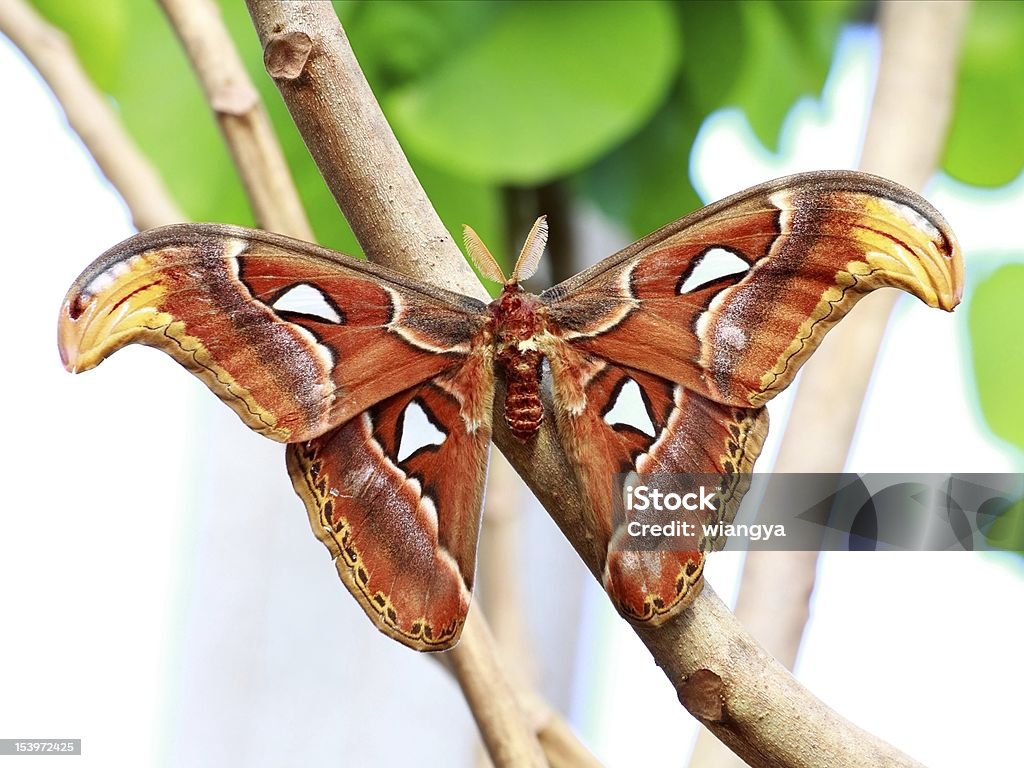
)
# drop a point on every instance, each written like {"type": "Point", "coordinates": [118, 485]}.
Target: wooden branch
{"type": "Point", "coordinates": [906, 132]}
{"type": "Point", "coordinates": [90, 115]}
{"type": "Point", "coordinates": [751, 702]}
{"type": "Point", "coordinates": [498, 587]}
{"type": "Point", "coordinates": [241, 115]}
{"type": "Point", "coordinates": [497, 582]}
{"type": "Point", "coordinates": [509, 739]}
{"type": "Point", "coordinates": [561, 746]}
{"type": "Point", "coordinates": [306, 52]}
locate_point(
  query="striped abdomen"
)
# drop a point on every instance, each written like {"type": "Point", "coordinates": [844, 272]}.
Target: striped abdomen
{"type": "Point", "coordinates": [523, 409]}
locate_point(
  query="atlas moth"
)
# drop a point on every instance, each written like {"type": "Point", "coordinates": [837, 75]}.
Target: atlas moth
{"type": "Point", "coordinates": [699, 324]}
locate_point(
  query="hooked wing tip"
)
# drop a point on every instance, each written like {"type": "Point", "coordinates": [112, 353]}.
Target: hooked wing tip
{"type": "Point", "coordinates": [69, 332]}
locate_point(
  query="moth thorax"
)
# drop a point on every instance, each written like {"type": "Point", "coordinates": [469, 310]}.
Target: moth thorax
{"type": "Point", "coordinates": [524, 411]}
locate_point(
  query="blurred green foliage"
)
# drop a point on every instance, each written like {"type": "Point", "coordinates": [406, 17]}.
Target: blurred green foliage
{"type": "Point", "coordinates": [606, 96]}
{"type": "Point", "coordinates": [540, 92]}
{"type": "Point", "coordinates": [986, 140]}
{"type": "Point", "coordinates": [995, 321]}
{"type": "Point", "coordinates": [1006, 531]}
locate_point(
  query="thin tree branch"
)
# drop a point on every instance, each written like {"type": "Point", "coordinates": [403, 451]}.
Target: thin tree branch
{"type": "Point", "coordinates": [241, 115]}
{"type": "Point", "coordinates": [561, 746]}
{"type": "Point", "coordinates": [906, 132]}
{"type": "Point", "coordinates": [90, 115]}
{"type": "Point", "coordinates": [497, 588]}
{"type": "Point", "coordinates": [509, 738]}
{"type": "Point", "coordinates": [764, 714]}
{"type": "Point", "coordinates": [500, 548]}
{"type": "Point", "coordinates": [502, 601]}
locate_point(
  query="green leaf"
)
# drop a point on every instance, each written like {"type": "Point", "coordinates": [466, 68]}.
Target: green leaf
{"type": "Point", "coordinates": [396, 42]}
{"type": "Point", "coordinates": [995, 318]}
{"type": "Point", "coordinates": [759, 56]}
{"type": "Point", "coordinates": [713, 39]}
{"type": "Point", "coordinates": [645, 183]}
{"type": "Point", "coordinates": [544, 90]}
{"type": "Point", "coordinates": [986, 139]}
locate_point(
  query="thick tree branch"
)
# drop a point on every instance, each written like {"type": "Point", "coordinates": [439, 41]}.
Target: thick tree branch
{"type": "Point", "coordinates": [751, 702]}
{"type": "Point", "coordinates": [90, 115]}
{"type": "Point", "coordinates": [241, 115]}
{"type": "Point", "coordinates": [499, 557]}
{"type": "Point", "coordinates": [906, 131]}
{"type": "Point", "coordinates": [766, 716]}
{"type": "Point", "coordinates": [561, 746]}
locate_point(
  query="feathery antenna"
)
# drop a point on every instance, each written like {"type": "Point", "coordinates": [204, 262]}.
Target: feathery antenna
{"type": "Point", "coordinates": [533, 248]}
{"type": "Point", "coordinates": [482, 257]}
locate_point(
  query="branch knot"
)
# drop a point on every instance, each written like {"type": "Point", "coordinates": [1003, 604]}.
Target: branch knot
{"type": "Point", "coordinates": [703, 694]}
{"type": "Point", "coordinates": [286, 54]}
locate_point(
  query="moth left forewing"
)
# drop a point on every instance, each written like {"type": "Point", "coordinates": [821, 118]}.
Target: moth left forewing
{"type": "Point", "coordinates": [295, 338]}
{"type": "Point", "coordinates": [635, 426]}
{"type": "Point", "coordinates": [400, 512]}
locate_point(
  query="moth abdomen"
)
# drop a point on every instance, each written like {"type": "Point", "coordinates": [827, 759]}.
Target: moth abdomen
{"type": "Point", "coordinates": [524, 411]}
